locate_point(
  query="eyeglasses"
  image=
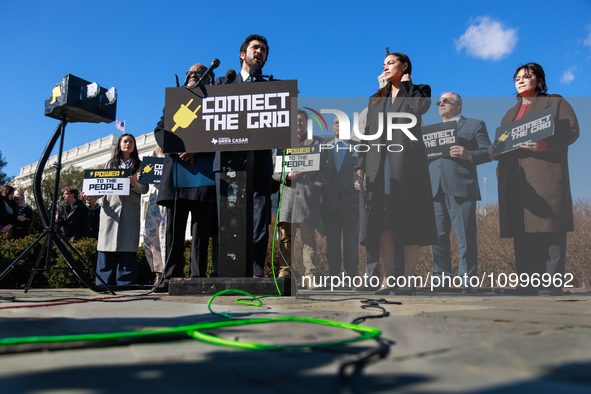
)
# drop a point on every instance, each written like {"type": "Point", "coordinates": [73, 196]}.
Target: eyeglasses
{"type": "Point", "coordinates": [444, 100]}
{"type": "Point", "coordinates": [195, 73]}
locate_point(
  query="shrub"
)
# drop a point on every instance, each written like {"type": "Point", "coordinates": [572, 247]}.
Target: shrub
{"type": "Point", "coordinates": [495, 255]}
{"type": "Point", "coordinates": [18, 277]}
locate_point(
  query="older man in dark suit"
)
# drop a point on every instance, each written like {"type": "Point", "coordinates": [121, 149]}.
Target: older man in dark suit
{"type": "Point", "coordinates": [254, 50]}
{"type": "Point", "coordinates": [199, 200]}
{"type": "Point", "coordinates": [454, 182]}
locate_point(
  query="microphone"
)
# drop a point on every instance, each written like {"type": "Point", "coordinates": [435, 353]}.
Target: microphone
{"type": "Point", "coordinates": [256, 71]}
{"type": "Point", "coordinates": [215, 63]}
{"type": "Point", "coordinates": [230, 76]}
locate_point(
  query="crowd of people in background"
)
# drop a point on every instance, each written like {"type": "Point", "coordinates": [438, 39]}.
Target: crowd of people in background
{"type": "Point", "coordinates": [15, 215]}
{"type": "Point", "coordinates": [391, 202]}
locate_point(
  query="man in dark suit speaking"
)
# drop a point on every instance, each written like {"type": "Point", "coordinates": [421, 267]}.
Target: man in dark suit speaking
{"type": "Point", "coordinates": [454, 182]}
{"type": "Point", "coordinates": [254, 51]}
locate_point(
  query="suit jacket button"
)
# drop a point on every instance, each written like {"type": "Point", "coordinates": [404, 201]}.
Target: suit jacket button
{"type": "Point", "coordinates": [406, 160]}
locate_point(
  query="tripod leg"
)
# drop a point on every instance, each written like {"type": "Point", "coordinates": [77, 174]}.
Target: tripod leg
{"type": "Point", "coordinates": [34, 270]}
{"type": "Point", "coordinates": [62, 246]}
{"type": "Point", "coordinates": [85, 263]}
{"type": "Point", "coordinates": [22, 255]}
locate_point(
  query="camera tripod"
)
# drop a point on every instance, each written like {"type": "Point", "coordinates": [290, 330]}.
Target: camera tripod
{"type": "Point", "coordinates": [50, 236]}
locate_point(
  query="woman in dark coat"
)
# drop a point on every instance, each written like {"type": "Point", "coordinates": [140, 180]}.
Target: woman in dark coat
{"type": "Point", "coordinates": [535, 201]}
{"type": "Point", "coordinates": [9, 216]}
{"type": "Point", "coordinates": [397, 175]}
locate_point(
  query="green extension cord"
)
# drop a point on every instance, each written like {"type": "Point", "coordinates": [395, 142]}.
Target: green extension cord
{"type": "Point", "coordinates": [283, 177]}
{"type": "Point", "coordinates": [195, 331]}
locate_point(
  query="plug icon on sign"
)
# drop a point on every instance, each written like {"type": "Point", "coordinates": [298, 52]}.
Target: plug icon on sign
{"type": "Point", "coordinates": [184, 116]}
{"type": "Point", "coordinates": [504, 136]}
{"type": "Point", "coordinates": [148, 168]}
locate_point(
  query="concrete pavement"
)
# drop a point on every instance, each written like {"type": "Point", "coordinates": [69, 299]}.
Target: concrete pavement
{"type": "Point", "coordinates": [441, 342]}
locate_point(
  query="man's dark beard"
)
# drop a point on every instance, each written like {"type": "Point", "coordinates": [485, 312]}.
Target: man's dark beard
{"type": "Point", "coordinates": [250, 63]}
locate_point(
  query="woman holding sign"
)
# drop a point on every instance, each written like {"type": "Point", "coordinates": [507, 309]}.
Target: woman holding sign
{"type": "Point", "coordinates": [155, 230]}
{"type": "Point", "coordinates": [119, 228]}
{"type": "Point", "coordinates": [397, 176]}
{"type": "Point", "coordinates": [535, 203]}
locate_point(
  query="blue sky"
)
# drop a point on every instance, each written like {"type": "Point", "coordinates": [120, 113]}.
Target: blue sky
{"type": "Point", "coordinates": [332, 50]}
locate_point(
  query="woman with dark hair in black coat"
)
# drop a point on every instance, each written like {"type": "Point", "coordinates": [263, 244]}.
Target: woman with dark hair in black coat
{"type": "Point", "coordinates": [398, 187]}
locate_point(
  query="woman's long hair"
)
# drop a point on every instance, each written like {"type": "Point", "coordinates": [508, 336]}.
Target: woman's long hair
{"type": "Point", "coordinates": [6, 191]}
{"type": "Point", "coordinates": [540, 75]}
{"type": "Point", "coordinates": [118, 155]}
{"type": "Point", "coordinates": [386, 90]}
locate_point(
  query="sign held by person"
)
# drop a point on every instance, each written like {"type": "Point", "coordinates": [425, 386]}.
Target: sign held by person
{"type": "Point", "coordinates": [302, 159]}
{"type": "Point", "coordinates": [439, 138]}
{"type": "Point", "coordinates": [530, 128]}
{"type": "Point", "coordinates": [151, 171]}
{"type": "Point", "coordinates": [106, 182]}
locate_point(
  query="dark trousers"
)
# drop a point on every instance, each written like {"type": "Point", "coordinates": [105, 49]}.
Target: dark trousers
{"type": "Point", "coordinates": [540, 253]}
{"type": "Point", "coordinates": [461, 214]}
{"type": "Point", "coordinates": [344, 220]}
{"type": "Point", "coordinates": [203, 219]}
{"type": "Point", "coordinates": [116, 268]}
{"type": "Point", "coordinates": [261, 218]}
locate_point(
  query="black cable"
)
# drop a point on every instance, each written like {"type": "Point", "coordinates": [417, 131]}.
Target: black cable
{"type": "Point", "coordinates": [128, 298]}
{"type": "Point", "coordinates": [356, 366]}
{"type": "Point", "coordinates": [350, 369]}
{"type": "Point", "coordinates": [364, 300]}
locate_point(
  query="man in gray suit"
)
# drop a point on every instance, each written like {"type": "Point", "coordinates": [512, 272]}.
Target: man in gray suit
{"type": "Point", "coordinates": [454, 182]}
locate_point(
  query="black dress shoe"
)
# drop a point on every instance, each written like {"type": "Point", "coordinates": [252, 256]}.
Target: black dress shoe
{"type": "Point", "coordinates": [411, 291]}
